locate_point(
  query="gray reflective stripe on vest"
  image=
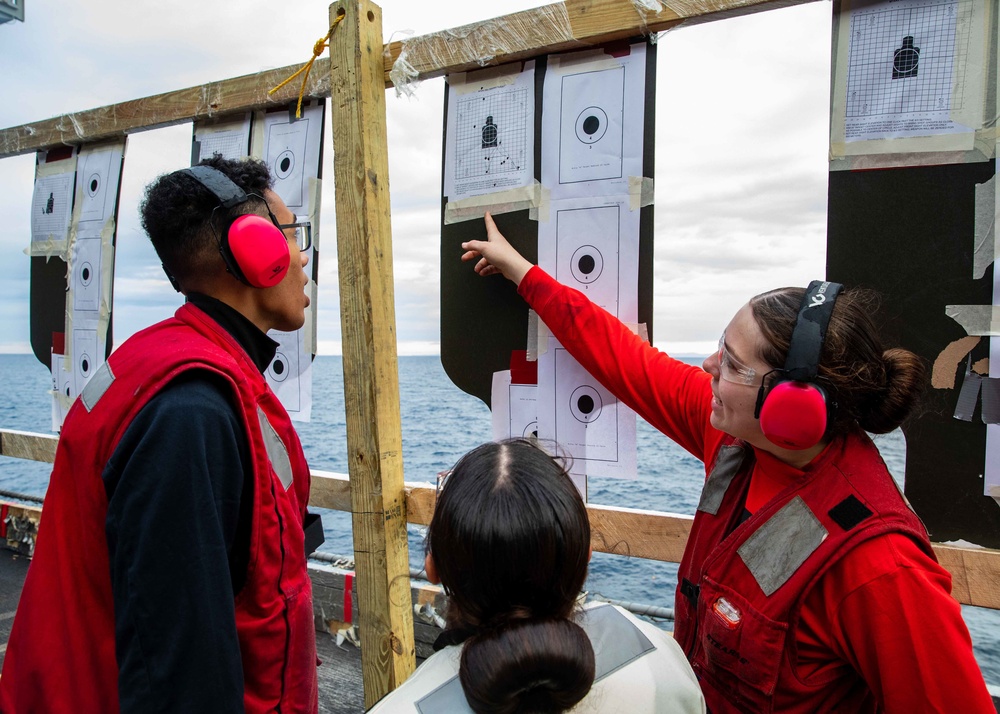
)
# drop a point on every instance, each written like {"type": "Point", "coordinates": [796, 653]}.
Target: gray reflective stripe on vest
{"type": "Point", "coordinates": [776, 550]}
{"type": "Point", "coordinates": [727, 465]}
{"type": "Point", "coordinates": [103, 378]}
{"type": "Point", "coordinates": [616, 642]}
{"type": "Point", "coordinates": [276, 450]}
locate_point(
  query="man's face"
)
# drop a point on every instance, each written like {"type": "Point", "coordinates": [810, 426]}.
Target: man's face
{"type": "Point", "coordinates": [283, 305]}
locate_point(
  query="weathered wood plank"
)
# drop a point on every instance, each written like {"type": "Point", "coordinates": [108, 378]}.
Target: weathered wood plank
{"type": "Point", "coordinates": [25, 445]}
{"type": "Point", "coordinates": [215, 99]}
{"type": "Point", "coordinates": [519, 35]}
{"type": "Point", "coordinates": [622, 531]}
{"type": "Point", "coordinates": [371, 381]}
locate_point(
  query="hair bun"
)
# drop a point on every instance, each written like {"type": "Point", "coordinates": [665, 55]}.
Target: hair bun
{"type": "Point", "coordinates": [904, 382]}
{"type": "Point", "coordinates": [527, 665]}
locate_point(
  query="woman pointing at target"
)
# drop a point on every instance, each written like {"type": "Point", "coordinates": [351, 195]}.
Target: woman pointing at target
{"type": "Point", "coordinates": [807, 584]}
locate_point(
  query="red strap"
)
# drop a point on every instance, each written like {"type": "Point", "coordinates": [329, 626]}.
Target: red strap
{"type": "Point", "coordinates": [348, 598]}
{"type": "Point", "coordinates": [3, 520]}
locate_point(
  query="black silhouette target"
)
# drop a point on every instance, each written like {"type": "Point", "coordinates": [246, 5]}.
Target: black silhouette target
{"type": "Point", "coordinates": [279, 368]}
{"type": "Point", "coordinates": [86, 274]}
{"type": "Point", "coordinates": [284, 164]}
{"type": "Point", "coordinates": [94, 185]}
{"type": "Point", "coordinates": [585, 403]}
{"type": "Point", "coordinates": [587, 264]}
{"type": "Point", "coordinates": [591, 125]}
{"type": "Point", "coordinates": [906, 59]}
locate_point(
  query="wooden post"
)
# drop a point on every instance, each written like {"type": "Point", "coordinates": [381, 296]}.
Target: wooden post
{"type": "Point", "coordinates": [371, 380]}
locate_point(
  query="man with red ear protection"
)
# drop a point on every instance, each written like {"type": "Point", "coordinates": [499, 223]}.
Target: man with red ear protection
{"type": "Point", "coordinates": [805, 568]}
{"type": "Point", "coordinates": [171, 575]}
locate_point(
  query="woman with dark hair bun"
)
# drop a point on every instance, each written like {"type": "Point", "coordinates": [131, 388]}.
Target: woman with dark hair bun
{"type": "Point", "coordinates": [510, 543]}
{"type": "Point", "coordinates": [807, 583]}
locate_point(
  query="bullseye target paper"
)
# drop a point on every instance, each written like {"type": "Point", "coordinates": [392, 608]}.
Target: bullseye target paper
{"type": "Point", "coordinates": [592, 122]}
{"type": "Point", "coordinates": [292, 150]}
{"type": "Point", "coordinates": [583, 417]}
{"type": "Point", "coordinates": [90, 257]}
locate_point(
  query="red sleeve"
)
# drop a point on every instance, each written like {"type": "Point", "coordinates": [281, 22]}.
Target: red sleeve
{"type": "Point", "coordinates": [896, 624]}
{"type": "Point", "coordinates": [672, 396]}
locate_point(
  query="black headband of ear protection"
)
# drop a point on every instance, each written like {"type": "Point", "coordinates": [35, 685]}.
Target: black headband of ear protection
{"type": "Point", "coordinates": [228, 193]}
{"type": "Point", "coordinates": [802, 361]}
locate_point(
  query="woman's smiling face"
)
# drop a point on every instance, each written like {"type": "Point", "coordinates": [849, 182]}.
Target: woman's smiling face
{"type": "Point", "coordinates": [737, 371]}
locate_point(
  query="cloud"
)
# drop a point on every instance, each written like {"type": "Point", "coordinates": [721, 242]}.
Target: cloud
{"type": "Point", "coordinates": [741, 130]}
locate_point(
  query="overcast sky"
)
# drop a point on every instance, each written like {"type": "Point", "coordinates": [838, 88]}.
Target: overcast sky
{"type": "Point", "coordinates": [741, 149]}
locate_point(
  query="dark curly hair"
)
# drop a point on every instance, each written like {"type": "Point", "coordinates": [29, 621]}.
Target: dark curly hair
{"type": "Point", "coordinates": [868, 385]}
{"type": "Point", "coordinates": [184, 220]}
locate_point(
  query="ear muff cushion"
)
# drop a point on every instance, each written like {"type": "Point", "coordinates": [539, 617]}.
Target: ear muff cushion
{"type": "Point", "coordinates": [260, 250]}
{"type": "Point", "coordinates": [794, 415]}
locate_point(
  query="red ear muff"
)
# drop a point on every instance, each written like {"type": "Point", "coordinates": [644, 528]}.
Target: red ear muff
{"type": "Point", "coordinates": [793, 415]}
{"type": "Point", "coordinates": [259, 250]}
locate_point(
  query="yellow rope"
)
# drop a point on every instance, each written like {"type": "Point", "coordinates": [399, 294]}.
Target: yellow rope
{"type": "Point", "coordinates": [321, 44]}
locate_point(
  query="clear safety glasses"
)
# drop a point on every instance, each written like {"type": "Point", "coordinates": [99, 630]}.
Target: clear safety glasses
{"type": "Point", "coordinates": [731, 369]}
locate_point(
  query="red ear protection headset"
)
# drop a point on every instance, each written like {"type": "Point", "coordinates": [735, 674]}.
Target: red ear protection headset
{"type": "Point", "coordinates": [793, 411]}
{"type": "Point", "coordinates": [253, 248]}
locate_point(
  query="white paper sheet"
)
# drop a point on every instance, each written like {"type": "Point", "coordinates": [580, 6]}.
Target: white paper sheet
{"type": "Point", "coordinates": [579, 414]}
{"type": "Point", "coordinates": [290, 374]}
{"type": "Point", "coordinates": [97, 183]}
{"type": "Point", "coordinates": [91, 261]}
{"type": "Point", "coordinates": [592, 122]}
{"type": "Point", "coordinates": [62, 391]}
{"type": "Point", "coordinates": [231, 139]}
{"type": "Point", "coordinates": [52, 207]}
{"type": "Point", "coordinates": [991, 470]}
{"type": "Point", "coordinates": [901, 62]}
{"type": "Point", "coordinates": [292, 152]}
{"type": "Point", "coordinates": [588, 238]}
{"type": "Point", "coordinates": [514, 408]}
{"type": "Point", "coordinates": [491, 133]}
{"type": "Point", "coordinates": [593, 246]}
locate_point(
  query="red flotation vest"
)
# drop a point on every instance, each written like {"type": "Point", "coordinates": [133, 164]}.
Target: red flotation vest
{"type": "Point", "coordinates": [61, 652]}
{"type": "Point", "coordinates": [741, 586]}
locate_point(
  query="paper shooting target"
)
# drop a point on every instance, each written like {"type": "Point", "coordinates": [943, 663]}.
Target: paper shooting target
{"type": "Point", "coordinates": [85, 275]}
{"type": "Point", "coordinates": [95, 177]}
{"type": "Point", "coordinates": [591, 125]}
{"type": "Point", "coordinates": [531, 431]}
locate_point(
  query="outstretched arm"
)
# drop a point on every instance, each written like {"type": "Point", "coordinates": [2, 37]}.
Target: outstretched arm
{"type": "Point", "coordinates": [496, 255]}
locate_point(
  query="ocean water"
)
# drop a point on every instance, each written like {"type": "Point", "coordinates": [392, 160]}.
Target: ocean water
{"type": "Point", "coordinates": [439, 424]}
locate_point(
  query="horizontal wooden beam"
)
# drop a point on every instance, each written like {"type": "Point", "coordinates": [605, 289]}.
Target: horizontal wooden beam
{"type": "Point", "coordinates": [517, 36]}
{"type": "Point", "coordinates": [622, 531]}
